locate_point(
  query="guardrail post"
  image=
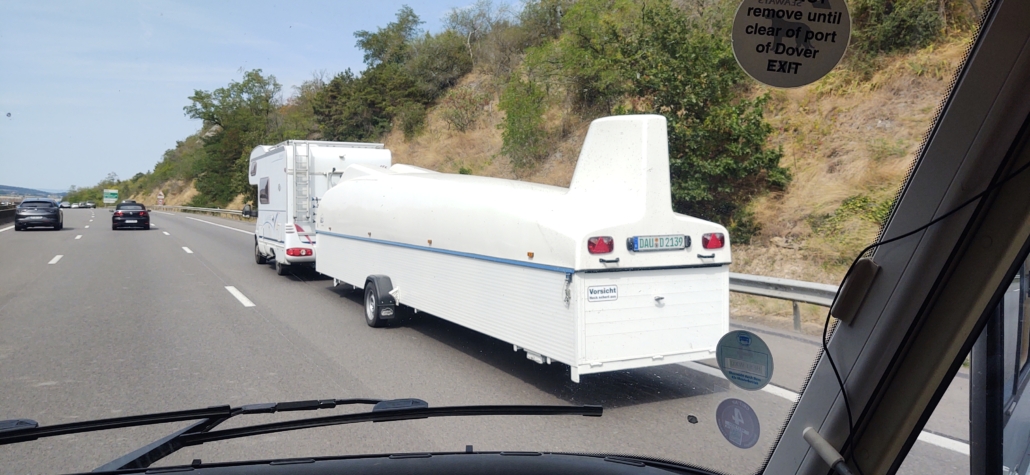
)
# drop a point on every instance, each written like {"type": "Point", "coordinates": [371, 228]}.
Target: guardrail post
{"type": "Point", "coordinates": [797, 315]}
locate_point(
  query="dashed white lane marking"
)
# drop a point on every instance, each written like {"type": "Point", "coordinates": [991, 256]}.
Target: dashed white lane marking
{"type": "Point", "coordinates": [87, 226]}
{"type": "Point", "coordinates": [55, 259]}
{"type": "Point", "coordinates": [221, 226]}
{"type": "Point", "coordinates": [166, 233]}
{"type": "Point", "coordinates": [930, 438]}
{"type": "Point", "coordinates": [6, 229]}
{"type": "Point", "coordinates": [239, 296]}
{"type": "Point", "coordinates": [78, 237]}
{"type": "Point", "coordinates": [188, 251]}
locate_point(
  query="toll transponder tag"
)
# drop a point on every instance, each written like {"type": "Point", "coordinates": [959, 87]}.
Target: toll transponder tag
{"type": "Point", "coordinates": [790, 43]}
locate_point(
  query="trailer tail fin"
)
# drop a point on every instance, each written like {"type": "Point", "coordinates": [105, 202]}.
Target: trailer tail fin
{"type": "Point", "coordinates": [625, 159]}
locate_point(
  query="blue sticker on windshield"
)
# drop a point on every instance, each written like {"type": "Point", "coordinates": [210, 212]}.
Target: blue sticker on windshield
{"type": "Point", "coordinates": [738, 423]}
{"type": "Point", "coordinates": [744, 359]}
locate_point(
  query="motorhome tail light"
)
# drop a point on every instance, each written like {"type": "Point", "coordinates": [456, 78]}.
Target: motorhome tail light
{"type": "Point", "coordinates": [299, 252]}
{"type": "Point", "coordinates": [713, 240]}
{"type": "Point", "coordinates": [600, 244]}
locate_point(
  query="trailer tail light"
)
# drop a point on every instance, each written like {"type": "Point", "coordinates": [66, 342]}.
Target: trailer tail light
{"type": "Point", "coordinates": [299, 252]}
{"type": "Point", "coordinates": [600, 244]}
{"type": "Point", "coordinates": [713, 240]}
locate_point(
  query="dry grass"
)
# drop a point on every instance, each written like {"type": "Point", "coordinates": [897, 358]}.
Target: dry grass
{"type": "Point", "coordinates": [840, 140]}
{"type": "Point", "coordinates": [478, 149]}
{"type": "Point", "coordinates": [177, 193]}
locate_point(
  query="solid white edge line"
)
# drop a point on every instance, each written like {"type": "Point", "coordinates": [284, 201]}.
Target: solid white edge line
{"type": "Point", "coordinates": [932, 439]}
{"type": "Point", "coordinates": [166, 233]}
{"type": "Point", "coordinates": [239, 296]}
{"type": "Point", "coordinates": [221, 226]}
{"type": "Point", "coordinates": [78, 237]}
{"type": "Point", "coordinates": [55, 259]}
{"type": "Point", "coordinates": [7, 228]}
{"type": "Point", "coordinates": [944, 442]}
{"type": "Point", "coordinates": [188, 251]}
{"type": "Point", "coordinates": [162, 212]}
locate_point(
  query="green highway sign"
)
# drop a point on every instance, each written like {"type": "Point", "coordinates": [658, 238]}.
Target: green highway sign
{"type": "Point", "coordinates": [110, 196]}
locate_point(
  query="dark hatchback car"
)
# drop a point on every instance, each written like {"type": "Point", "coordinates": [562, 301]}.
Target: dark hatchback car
{"type": "Point", "coordinates": [130, 215]}
{"type": "Point", "coordinates": [38, 212]}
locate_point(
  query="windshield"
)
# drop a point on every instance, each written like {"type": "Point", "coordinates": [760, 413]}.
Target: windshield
{"type": "Point", "coordinates": [548, 202]}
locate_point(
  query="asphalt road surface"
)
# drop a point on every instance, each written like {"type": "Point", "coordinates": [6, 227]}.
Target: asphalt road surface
{"type": "Point", "coordinates": [96, 323]}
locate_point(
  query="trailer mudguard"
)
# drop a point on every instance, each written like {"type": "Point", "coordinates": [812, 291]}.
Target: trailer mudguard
{"type": "Point", "coordinates": [383, 287]}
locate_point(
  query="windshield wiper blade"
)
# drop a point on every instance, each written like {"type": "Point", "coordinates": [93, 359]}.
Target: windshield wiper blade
{"type": "Point", "coordinates": [389, 415]}
{"type": "Point", "coordinates": [200, 432]}
{"type": "Point", "coordinates": [31, 431]}
{"type": "Point", "coordinates": [25, 430]}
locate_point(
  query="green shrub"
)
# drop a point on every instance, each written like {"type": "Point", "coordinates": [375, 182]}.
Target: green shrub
{"type": "Point", "coordinates": [883, 26]}
{"type": "Point", "coordinates": [523, 133]}
{"type": "Point", "coordinates": [462, 107]}
{"type": "Point", "coordinates": [718, 156]}
{"type": "Point", "coordinates": [412, 119]}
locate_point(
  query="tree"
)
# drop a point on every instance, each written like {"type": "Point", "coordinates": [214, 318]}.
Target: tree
{"type": "Point", "coordinates": [717, 138]}
{"type": "Point", "coordinates": [246, 115]}
{"type": "Point", "coordinates": [390, 44]}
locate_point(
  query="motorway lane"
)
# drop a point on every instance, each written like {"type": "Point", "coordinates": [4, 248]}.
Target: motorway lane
{"type": "Point", "coordinates": [156, 330]}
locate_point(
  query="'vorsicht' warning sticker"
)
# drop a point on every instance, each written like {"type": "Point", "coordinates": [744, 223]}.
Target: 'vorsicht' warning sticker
{"type": "Point", "coordinates": [744, 359]}
{"type": "Point", "coordinates": [790, 43]}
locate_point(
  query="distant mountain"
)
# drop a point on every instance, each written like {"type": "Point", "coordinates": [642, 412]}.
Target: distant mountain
{"type": "Point", "coordinates": [19, 191]}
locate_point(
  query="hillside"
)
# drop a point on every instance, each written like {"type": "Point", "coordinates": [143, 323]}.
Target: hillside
{"type": "Point", "coordinates": [18, 191]}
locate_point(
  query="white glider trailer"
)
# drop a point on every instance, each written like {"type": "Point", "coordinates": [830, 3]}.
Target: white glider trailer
{"type": "Point", "coordinates": [291, 178]}
{"type": "Point", "coordinates": [601, 276]}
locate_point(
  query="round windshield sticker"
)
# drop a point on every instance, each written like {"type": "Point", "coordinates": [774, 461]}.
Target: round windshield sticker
{"type": "Point", "coordinates": [790, 43]}
{"type": "Point", "coordinates": [744, 359]}
{"type": "Point", "coordinates": [738, 423]}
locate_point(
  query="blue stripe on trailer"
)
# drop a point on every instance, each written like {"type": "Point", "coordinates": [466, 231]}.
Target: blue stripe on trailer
{"type": "Point", "coordinates": [563, 270]}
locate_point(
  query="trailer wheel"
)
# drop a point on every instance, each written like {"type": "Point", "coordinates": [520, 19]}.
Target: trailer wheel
{"type": "Point", "coordinates": [280, 269]}
{"type": "Point", "coordinates": [372, 306]}
{"type": "Point", "coordinates": [258, 256]}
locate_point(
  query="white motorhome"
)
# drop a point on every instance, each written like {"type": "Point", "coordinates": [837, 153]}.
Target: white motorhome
{"type": "Point", "coordinates": [291, 178]}
{"type": "Point", "coordinates": [601, 276]}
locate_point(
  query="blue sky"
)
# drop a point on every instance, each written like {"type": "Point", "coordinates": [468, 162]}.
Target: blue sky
{"type": "Point", "coordinates": [96, 87]}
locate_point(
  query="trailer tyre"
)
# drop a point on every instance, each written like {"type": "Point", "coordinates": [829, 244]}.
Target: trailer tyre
{"type": "Point", "coordinates": [372, 306]}
{"type": "Point", "coordinates": [258, 256]}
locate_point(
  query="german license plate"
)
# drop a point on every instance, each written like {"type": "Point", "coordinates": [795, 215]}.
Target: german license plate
{"type": "Point", "coordinates": [657, 243]}
{"type": "Point", "coordinates": [130, 221]}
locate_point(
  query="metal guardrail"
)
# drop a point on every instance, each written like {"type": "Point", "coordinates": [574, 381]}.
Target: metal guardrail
{"type": "Point", "coordinates": [192, 209]}
{"type": "Point", "coordinates": [7, 216]}
{"type": "Point", "coordinates": [784, 289]}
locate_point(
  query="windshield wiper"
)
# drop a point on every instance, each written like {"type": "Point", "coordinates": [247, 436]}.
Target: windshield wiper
{"type": "Point", "coordinates": [22, 430]}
